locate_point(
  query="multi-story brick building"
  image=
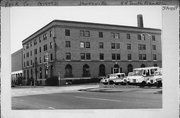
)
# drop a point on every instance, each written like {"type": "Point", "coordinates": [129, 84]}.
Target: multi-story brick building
{"type": "Point", "coordinates": [72, 49]}
{"type": "Point", "coordinates": [16, 66]}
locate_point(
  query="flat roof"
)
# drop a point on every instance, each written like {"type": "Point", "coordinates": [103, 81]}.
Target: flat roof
{"type": "Point", "coordinates": [90, 23]}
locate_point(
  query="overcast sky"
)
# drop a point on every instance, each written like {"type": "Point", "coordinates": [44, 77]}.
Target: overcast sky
{"type": "Point", "coordinates": [25, 21]}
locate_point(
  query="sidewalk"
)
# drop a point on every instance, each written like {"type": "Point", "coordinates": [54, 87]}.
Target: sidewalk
{"type": "Point", "coordinates": [24, 91]}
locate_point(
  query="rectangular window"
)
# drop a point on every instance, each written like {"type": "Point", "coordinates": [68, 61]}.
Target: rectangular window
{"type": "Point", "coordinates": [27, 46]}
{"type": "Point", "coordinates": [129, 46]}
{"type": "Point", "coordinates": [50, 44]}
{"type": "Point", "coordinates": [45, 47]}
{"type": "Point", "coordinates": [39, 59]}
{"type": "Point", "coordinates": [24, 56]}
{"type": "Point", "coordinates": [118, 56]}
{"type": "Point", "coordinates": [101, 56]}
{"type": "Point", "coordinates": [154, 57]}
{"type": "Point", "coordinates": [87, 44]}
{"type": "Point", "coordinates": [50, 33]}
{"type": "Point", "coordinates": [100, 34]}
{"type": "Point", "coordinates": [154, 47]}
{"type": "Point", "coordinates": [142, 56]}
{"type": "Point", "coordinates": [101, 45]}
{"type": "Point", "coordinates": [44, 36]}
{"type": "Point", "coordinates": [27, 54]}
{"type": "Point", "coordinates": [30, 44]}
{"type": "Point", "coordinates": [112, 45]}
{"type": "Point", "coordinates": [27, 63]}
{"type": "Point", "coordinates": [31, 63]}
{"type": "Point", "coordinates": [39, 39]}
{"type": "Point", "coordinates": [67, 32]}
{"type": "Point", "coordinates": [141, 46]}
{"type": "Point", "coordinates": [44, 58]}
{"type": "Point", "coordinates": [153, 38]}
{"type": "Point", "coordinates": [67, 44]}
{"type": "Point", "coordinates": [39, 49]}
{"type": "Point", "coordinates": [113, 56]}
{"type": "Point", "coordinates": [128, 36]}
{"type": "Point", "coordinates": [84, 33]}
{"type": "Point", "coordinates": [68, 56]}
{"type": "Point", "coordinates": [35, 41]}
{"type": "Point", "coordinates": [35, 51]}
{"type": "Point", "coordinates": [82, 56]}
{"type": "Point", "coordinates": [117, 45]}
{"type": "Point", "coordinates": [24, 64]}
{"type": "Point", "coordinates": [51, 57]}
{"type": "Point", "coordinates": [88, 56]}
{"type": "Point", "coordinates": [82, 45]}
{"type": "Point", "coordinates": [87, 34]}
{"type": "Point", "coordinates": [129, 56]}
{"type": "Point", "coordinates": [115, 35]}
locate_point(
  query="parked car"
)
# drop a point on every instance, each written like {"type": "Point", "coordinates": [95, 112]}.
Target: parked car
{"type": "Point", "coordinates": [111, 78]}
{"type": "Point", "coordinates": [120, 79]}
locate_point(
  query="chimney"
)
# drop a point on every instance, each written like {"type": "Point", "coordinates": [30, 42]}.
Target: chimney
{"type": "Point", "coordinates": [140, 20]}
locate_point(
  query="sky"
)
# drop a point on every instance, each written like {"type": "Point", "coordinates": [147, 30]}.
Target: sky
{"type": "Point", "coordinates": [24, 21]}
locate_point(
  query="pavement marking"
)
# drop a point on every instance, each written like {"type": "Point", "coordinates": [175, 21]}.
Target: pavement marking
{"type": "Point", "coordinates": [98, 99]}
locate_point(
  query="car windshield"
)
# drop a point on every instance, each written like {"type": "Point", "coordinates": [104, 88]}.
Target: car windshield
{"type": "Point", "coordinates": [137, 72]}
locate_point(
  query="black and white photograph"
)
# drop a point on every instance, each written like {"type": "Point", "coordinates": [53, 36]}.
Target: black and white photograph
{"type": "Point", "coordinates": [90, 60]}
{"type": "Point", "coordinates": [84, 58]}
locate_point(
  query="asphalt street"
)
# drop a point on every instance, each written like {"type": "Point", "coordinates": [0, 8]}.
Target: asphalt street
{"type": "Point", "coordinates": [92, 98]}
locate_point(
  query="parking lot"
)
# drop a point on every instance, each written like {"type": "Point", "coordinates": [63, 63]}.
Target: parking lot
{"type": "Point", "coordinates": [90, 96]}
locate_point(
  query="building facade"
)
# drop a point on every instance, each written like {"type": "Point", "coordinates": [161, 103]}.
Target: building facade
{"type": "Point", "coordinates": [16, 65]}
{"type": "Point", "coordinates": [70, 49]}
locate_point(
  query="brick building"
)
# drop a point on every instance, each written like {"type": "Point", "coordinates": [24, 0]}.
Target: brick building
{"type": "Point", "coordinates": [72, 49]}
{"type": "Point", "coordinates": [16, 66]}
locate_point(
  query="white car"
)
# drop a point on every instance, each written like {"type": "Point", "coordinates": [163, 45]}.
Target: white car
{"type": "Point", "coordinates": [120, 79]}
{"type": "Point", "coordinates": [109, 79]}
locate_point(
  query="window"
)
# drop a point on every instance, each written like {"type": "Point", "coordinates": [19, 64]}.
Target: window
{"type": "Point", "coordinates": [87, 44]}
{"type": "Point", "coordinates": [129, 46]}
{"type": "Point", "coordinates": [50, 44]}
{"type": "Point", "coordinates": [142, 47]}
{"type": "Point", "coordinates": [153, 38]}
{"type": "Point", "coordinates": [67, 44]}
{"type": "Point", "coordinates": [51, 57]}
{"type": "Point", "coordinates": [84, 33]}
{"type": "Point", "coordinates": [35, 42]}
{"type": "Point", "coordinates": [67, 32]}
{"type": "Point", "coordinates": [27, 54]}
{"type": "Point", "coordinates": [39, 49]}
{"type": "Point", "coordinates": [112, 45]}
{"type": "Point", "coordinates": [30, 44]}
{"type": "Point", "coordinates": [113, 56]}
{"type": "Point", "coordinates": [27, 63]}
{"type": "Point", "coordinates": [115, 45]}
{"type": "Point", "coordinates": [45, 36]}
{"type": "Point", "coordinates": [115, 35]}
{"type": "Point", "coordinates": [100, 34]}
{"type": "Point", "coordinates": [128, 36]}
{"type": "Point", "coordinates": [82, 45]}
{"type": "Point", "coordinates": [40, 73]}
{"type": "Point", "coordinates": [24, 64]}
{"type": "Point", "coordinates": [30, 53]}
{"type": "Point", "coordinates": [82, 56]}
{"type": "Point", "coordinates": [68, 55]}
{"type": "Point", "coordinates": [88, 56]}
{"type": "Point", "coordinates": [50, 33]}
{"type": "Point", "coordinates": [39, 59]}
{"type": "Point", "coordinates": [24, 56]}
{"type": "Point", "coordinates": [35, 51]}
{"type": "Point", "coordinates": [101, 45]}
{"type": "Point", "coordinates": [27, 46]}
{"type": "Point", "coordinates": [142, 56]}
{"type": "Point", "coordinates": [154, 47]}
{"type": "Point", "coordinates": [118, 57]}
{"type": "Point", "coordinates": [154, 57]}
{"type": "Point", "coordinates": [31, 63]}
{"type": "Point", "coordinates": [139, 37]}
{"type": "Point", "coordinates": [45, 47]}
{"type": "Point", "coordinates": [39, 39]}
{"type": "Point", "coordinates": [101, 56]}
{"type": "Point", "coordinates": [129, 56]}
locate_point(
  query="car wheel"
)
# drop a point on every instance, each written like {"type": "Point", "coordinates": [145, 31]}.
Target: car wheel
{"type": "Point", "coordinates": [142, 84]}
